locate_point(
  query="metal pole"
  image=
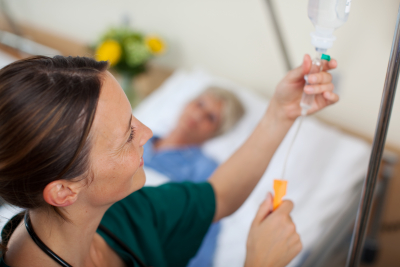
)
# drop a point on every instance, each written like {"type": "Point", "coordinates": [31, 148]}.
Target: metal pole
{"type": "Point", "coordinates": [278, 33]}
{"type": "Point", "coordinates": [364, 209]}
{"type": "Point", "coordinates": [9, 18]}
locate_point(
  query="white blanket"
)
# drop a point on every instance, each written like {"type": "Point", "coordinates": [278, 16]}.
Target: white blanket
{"type": "Point", "coordinates": [323, 168]}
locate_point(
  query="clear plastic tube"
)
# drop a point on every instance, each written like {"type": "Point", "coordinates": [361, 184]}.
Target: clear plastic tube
{"type": "Point", "coordinates": [307, 99]}
{"type": "Point", "coordinates": [280, 185]}
{"type": "Point", "coordinates": [290, 148]}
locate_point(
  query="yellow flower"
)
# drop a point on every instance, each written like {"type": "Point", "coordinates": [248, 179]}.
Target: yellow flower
{"type": "Point", "coordinates": [109, 50]}
{"type": "Point", "coordinates": [155, 44]}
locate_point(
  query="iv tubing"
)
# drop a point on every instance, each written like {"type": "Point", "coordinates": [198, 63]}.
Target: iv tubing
{"type": "Point", "coordinates": [306, 100]}
{"type": "Point", "coordinates": [280, 185]}
{"type": "Point", "coordinates": [291, 144]}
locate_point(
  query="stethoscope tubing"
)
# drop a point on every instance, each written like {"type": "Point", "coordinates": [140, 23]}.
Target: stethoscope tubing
{"type": "Point", "coordinates": [62, 262]}
{"type": "Point", "coordinates": [40, 244]}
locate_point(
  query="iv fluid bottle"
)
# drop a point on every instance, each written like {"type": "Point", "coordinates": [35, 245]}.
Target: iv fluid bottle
{"type": "Point", "coordinates": [327, 16]}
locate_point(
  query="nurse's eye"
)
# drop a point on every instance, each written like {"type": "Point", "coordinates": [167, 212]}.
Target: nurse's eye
{"type": "Point", "coordinates": [132, 134]}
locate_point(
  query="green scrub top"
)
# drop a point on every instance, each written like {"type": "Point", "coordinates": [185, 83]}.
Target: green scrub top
{"type": "Point", "coordinates": [163, 226]}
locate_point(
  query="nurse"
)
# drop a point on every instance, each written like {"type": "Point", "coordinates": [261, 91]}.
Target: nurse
{"type": "Point", "coordinates": [71, 155]}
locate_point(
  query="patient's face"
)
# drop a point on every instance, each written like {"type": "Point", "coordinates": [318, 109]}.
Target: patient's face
{"type": "Point", "coordinates": [201, 118]}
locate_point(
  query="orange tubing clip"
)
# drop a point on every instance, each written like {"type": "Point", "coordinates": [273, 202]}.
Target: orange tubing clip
{"type": "Point", "coordinates": [280, 192]}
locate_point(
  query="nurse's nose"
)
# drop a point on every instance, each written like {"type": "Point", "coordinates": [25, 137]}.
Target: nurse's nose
{"type": "Point", "coordinates": [144, 133]}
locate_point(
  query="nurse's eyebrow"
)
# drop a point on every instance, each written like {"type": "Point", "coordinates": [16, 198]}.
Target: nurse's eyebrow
{"type": "Point", "coordinates": [129, 126]}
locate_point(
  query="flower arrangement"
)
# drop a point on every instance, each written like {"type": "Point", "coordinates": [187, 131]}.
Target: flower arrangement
{"type": "Point", "coordinates": [128, 50]}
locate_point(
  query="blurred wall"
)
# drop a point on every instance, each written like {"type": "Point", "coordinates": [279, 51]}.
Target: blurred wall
{"type": "Point", "coordinates": [234, 39]}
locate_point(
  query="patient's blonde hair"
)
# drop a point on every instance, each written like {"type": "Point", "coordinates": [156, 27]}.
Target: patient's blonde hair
{"type": "Point", "coordinates": [232, 111]}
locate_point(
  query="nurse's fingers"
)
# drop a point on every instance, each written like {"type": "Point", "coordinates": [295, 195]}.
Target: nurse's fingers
{"type": "Point", "coordinates": [298, 73]}
{"type": "Point", "coordinates": [319, 88]}
{"type": "Point", "coordinates": [331, 97]}
{"type": "Point", "coordinates": [264, 210]}
{"type": "Point", "coordinates": [295, 243]}
{"type": "Point", "coordinates": [286, 207]}
{"type": "Point", "coordinates": [322, 77]}
{"type": "Point", "coordinates": [332, 64]}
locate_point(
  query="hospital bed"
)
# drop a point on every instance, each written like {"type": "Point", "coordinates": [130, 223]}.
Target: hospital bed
{"type": "Point", "coordinates": [325, 169]}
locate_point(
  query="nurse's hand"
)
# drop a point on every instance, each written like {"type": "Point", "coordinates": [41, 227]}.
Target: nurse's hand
{"type": "Point", "coordinates": [290, 89]}
{"type": "Point", "coordinates": [273, 240]}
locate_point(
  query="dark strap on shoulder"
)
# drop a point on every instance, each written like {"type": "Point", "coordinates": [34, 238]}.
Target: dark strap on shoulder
{"type": "Point", "coordinates": [10, 227]}
{"type": "Point", "coordinates": [41, 245]}
{"type": "Point", "coordinates": [122, 245]}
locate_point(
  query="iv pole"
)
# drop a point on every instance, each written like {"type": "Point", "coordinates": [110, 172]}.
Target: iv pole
{"type": "Point", "coordinates": [278, 33]}
{"type": "Point", "coordinates": [378, 145]}
{"type": "Point", "coordinates": [364, 210]}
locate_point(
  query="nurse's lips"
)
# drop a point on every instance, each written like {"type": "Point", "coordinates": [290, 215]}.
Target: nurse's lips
{"type": "Point", "coordinates": [141, 162]}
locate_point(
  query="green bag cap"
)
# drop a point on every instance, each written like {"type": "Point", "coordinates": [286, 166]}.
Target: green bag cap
{"type": "Point", "coordinates": [326, 57]}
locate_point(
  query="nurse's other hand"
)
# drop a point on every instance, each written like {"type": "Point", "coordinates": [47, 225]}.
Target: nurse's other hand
{"type": "Point", "coordinates": [289, 91]}
{"type": "Point", "coordinates": [273, 240]}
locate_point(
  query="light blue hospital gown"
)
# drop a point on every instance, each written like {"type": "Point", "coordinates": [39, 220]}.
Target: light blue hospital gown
{"type": "Point", "coordinates": [186, 164]}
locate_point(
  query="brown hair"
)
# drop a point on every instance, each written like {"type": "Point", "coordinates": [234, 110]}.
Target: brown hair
{"type": "Point", "coordinates": [47, 107]}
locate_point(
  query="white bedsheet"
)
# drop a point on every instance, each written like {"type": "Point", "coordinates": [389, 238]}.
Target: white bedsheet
{"type": "Point", "coordinates": [323, 167]}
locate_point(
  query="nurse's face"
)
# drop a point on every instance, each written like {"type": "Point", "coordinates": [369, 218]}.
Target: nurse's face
{"type": "Point", "coordinates": [117, 147]}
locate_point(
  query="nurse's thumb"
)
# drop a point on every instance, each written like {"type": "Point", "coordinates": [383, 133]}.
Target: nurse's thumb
{"type": "Point", "coordinates": [264, 210]}
{"type": "Point", "coordinates": [299, 72]}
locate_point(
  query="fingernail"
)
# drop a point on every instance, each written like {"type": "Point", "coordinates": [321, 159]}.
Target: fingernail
{"type": "Point", "coordinates": [309, 89]}
{"type": "Point", "coordinates": [312, 79]}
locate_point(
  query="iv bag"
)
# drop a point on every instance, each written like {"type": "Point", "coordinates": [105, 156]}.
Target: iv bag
{"type": "Point", "coordinates": [327, 16]}
{"type": "Point", "coordinates": [328, 13]}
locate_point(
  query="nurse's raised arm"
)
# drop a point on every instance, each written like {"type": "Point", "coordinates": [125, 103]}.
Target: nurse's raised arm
{"type": "Point", "coordinates": [234, 180]}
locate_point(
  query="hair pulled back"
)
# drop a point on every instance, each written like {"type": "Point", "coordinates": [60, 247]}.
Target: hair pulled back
{"type": "Point", "coordinates": [47, 107]}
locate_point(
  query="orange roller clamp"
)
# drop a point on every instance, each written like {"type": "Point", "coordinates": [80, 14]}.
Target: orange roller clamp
{"type": "Point", "coordinates": [279, 192]}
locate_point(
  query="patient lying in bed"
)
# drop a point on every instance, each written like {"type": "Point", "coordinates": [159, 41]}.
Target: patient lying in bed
{"type": "Point", "coordinates": [178, 154]}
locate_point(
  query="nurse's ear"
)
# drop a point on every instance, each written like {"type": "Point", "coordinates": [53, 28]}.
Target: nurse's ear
{"type": "Point", "coordinates": [61, 193]}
